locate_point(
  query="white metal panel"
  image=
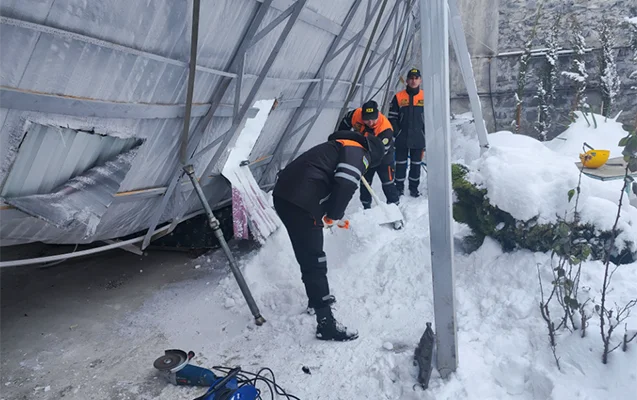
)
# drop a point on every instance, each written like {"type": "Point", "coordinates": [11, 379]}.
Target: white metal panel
{"type": "Point", "coordinates": [137, 52]}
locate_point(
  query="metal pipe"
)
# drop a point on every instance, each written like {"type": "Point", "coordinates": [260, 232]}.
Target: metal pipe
{"type": "Point", "coordinates": [214, 224]}
{"type": "Point", "coordinates": [191, 80]}
{"type": "Point", "coordinates": [58, 257]}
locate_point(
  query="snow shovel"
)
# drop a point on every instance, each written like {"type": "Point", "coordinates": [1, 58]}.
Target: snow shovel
{"type": "Point", "coordinates": [391, 213]}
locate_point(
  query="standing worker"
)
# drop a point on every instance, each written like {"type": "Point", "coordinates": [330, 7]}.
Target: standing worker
{"type": "Point", "coordinates": [406, 115]}
{"type": "Point", "coordinates": [313, 191]}
{"type": "Point", "coordinates": [369, 121]}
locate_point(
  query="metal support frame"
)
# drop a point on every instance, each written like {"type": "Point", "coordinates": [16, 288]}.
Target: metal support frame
{"type": "Point", "coordinates": [352, 90]}
{"type": "Point", "coordinates": [276, 22]}
{"type": "Point", "coordinates": [435, 73]}
{"type": "Point", "coordinates": [371, 63]}
{"type": "Point", "coordinates": [386, 57]}
{"type": "Point", "coordinates": [398, 65]}
{"type": "Point", "coordinates": [215, 101]}
{"type": "Point", "coordinates": [313, 18]}
{"type": "Point", "coordinates": [325, 98]}
{"type": "Point", "coordinates": [290, 129]}
{"type": "Point", "coordinates": [17, 99]}
{"type": "Point", "coordinates": [308, 16]}
{"type": "Point", "coordinates": [240, 118]}
{"type": "Point", "coordinates": [456, 31]}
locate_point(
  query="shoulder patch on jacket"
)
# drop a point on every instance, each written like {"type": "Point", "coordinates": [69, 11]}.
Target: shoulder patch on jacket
{"type": "Point", "coordinates": [365, 162]}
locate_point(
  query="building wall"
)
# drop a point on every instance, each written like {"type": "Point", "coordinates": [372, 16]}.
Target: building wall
{"type": "Point", "coordinates": [494, 27]}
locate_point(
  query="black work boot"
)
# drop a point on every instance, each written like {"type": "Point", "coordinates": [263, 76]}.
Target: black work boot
{"type": "Point", "coordinates": [329, 328]}
{"type": "Point", "coordinates": [400, 189]}
{"type": "Point", "coordinates": [366, 205]}
{"type": "Point", "coordinates": [414, 192]}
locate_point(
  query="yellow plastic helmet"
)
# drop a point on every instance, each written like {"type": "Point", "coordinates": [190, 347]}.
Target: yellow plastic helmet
{"type": "Point", "coordinates": [594, 158]}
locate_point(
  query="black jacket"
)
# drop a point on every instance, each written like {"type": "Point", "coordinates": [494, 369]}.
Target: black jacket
{"type": "Point", "coordinates": [406, 115]}
{"type": "Point", "coordinates": [323, 179]}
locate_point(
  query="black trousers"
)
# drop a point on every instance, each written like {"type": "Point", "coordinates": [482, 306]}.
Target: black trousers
{"type": "Point", "coordinates": [414, 167]}
{"type": "Point", "coordinates": [386, 174]}
{"type": "Point", "coordinates": [306, 235]}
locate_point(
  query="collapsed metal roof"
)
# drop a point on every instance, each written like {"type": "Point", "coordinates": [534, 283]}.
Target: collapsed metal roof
{"type": "Point", "coordinates": [115, 74]}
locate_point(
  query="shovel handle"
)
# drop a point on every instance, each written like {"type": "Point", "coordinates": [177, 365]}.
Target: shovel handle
{"type": "Point", "coordinates": [369, 188]}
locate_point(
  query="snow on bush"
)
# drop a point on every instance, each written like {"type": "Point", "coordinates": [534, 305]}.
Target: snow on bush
{"type": "Point", "coordinates": [529, 179]}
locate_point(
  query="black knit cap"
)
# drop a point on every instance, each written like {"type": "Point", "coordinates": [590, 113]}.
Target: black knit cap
{"type": "Point", "coordinates": [370, 110]}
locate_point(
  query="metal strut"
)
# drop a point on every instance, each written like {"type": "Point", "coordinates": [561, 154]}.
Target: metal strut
{"type": "Point", "coordinates": [214, 224]}
{"type": "Point", "coordinates": [190, 170]}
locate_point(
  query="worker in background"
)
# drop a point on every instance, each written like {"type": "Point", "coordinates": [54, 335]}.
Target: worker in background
{"type": "Point", "coordinates": [406, 114]}
{"type": "Point", "coordinates": [312, 192]}
{"type": "Point", "coordinates": [369, 121]}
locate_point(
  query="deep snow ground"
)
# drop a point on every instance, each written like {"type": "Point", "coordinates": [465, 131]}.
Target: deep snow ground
{"type": "Point", "coordinates": [93, 332]}
{"type": "Point", "coordinates": [91, 328]}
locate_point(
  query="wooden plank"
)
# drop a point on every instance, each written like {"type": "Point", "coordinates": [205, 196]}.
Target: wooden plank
{"type": "Point", "coordinates": [613, 169]}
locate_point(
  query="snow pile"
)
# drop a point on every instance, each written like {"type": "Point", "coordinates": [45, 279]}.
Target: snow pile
{"type": "Point", "coordinates": [528, 178]}
{"type": "Point", "coordinates": [382, 280]}
{"type": "Point", "coordinates": [464, 139]}
{"type": "Point", "coordinates": [605, 137]}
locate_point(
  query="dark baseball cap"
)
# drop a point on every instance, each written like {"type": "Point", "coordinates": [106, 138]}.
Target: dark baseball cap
{"type": "Point", "coordinates": [370, 110]}
{"type": "Point", "coordinates": [413, 72]}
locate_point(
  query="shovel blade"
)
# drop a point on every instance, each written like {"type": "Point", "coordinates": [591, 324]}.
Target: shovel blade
{"type": "Point", "coordinates": [387, 214]}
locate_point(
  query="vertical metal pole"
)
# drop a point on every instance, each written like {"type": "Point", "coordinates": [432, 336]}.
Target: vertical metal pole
{"type": "Point", "coordinates": [435, 62]}
{"type": "Point", "coordinates": [183, 154]}
{"type": "Point", "coordinates": [214, 224]}
{"type": "Point", "coordinates": [459, 41]}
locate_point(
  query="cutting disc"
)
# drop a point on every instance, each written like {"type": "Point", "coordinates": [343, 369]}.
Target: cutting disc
{"type": "Point", "coordinates": [170, 360]}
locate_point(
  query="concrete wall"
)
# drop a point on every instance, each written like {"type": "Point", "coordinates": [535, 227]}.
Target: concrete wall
{"type": "Point", "coordinates": [494, 27]}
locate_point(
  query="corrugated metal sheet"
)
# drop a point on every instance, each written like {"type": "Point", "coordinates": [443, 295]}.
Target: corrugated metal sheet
{"type": "Point", "coordinates": [137, 53]}
{"type": "Point", "coordinates": [49, 156]}
{"type": "Point", "coordinates": [80, 202]}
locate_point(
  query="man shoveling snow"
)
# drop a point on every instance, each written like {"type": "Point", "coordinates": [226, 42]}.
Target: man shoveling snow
{"type": "Point", "coordinates": [314, 190]}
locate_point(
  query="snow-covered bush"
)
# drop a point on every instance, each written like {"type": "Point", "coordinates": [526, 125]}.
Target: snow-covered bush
{"type": "Point", "coordinates": [609, 80]}
{"type": "Point", "coordinates": [577, 73]}
{"type": "Point", "coordinates": [525, 58]}
{"type": "Point", "coordinates": [520, 191]}
{"type": "Point", "coordinates": [632, 27]}
{"type": "Point", "coordinates": [548, 83]}
{"type": "Point", "coordinates": [485, 219]}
